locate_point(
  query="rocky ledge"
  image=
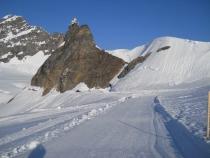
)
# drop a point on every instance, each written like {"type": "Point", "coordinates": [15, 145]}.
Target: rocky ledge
{"type": "Point", "coordinates": [78, 60]}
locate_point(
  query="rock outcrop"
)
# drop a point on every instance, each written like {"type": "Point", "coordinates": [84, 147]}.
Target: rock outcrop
{"type": "Point", "coordinates": [163, 48]}
{"type": "Point", "coordinates": [132, 65]}
{"type": "Point", "coordinates": [18, 38]}
{"type": "Point", "coordinates": [79, 60]}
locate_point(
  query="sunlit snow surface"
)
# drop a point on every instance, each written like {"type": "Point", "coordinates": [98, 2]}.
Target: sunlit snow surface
{"type": "Point", "coordinates": [29, 64]}
{"type": "Point", "coordinates": [12, 82]}
{"type": "Point", "coordinates": [157, 110]}
{"type": "Point", "coordinates": [189, 107]}
{"type": "Point", "coordinates": [185, 62]}
{"type": "Point", "coordinates": [17, 74]}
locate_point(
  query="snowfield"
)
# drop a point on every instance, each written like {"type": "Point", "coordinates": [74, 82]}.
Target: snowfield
{"type": "Point", "coordinates": [158, 110]}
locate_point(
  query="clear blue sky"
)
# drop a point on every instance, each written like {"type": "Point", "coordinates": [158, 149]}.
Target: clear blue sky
{"type": "Point", "coordinates": [118, 24]}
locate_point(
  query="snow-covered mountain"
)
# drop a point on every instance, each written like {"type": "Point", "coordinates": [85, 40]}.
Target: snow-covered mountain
{"type": "Point", "coordinates": [157, 110]}
{"type": "Point", "coordinates": [185, 61]}
{"type": "Point", "coordinates": [18, 38]}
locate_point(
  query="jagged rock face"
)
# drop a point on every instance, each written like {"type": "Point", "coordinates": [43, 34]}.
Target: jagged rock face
{"type": "Point", "coordinates": [77, 61]}
{"type": "Point", "coordinates": [19, 39]}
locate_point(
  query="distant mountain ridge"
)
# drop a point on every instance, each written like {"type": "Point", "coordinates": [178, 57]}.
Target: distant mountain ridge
{"type": "Point", "coordinates": [18, 38]}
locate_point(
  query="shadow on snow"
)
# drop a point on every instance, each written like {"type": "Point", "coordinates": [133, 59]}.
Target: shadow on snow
{"type": "Point", "coordinates": [38, 152]}
{"type": "Point", "coordinates": [143, 130]}
{"type": "Point", "coordinates": [186, 143]}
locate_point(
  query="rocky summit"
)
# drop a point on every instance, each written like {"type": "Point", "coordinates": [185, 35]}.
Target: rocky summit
{"type": "Point", "coordinates": [78, 60]}
{"type": "Point", "coordinates": [18, 38]}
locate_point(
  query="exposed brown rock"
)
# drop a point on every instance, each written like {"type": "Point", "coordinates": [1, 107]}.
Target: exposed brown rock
{"type": "Point", "coordinates": [163, 48]}
{"type": "Point", "coordinates": [77, 61]}
{"type": "Point", "coordinates": [132, 65]}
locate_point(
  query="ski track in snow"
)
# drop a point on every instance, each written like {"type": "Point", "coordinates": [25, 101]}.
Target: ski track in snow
{"type": "Point", "coordinates": [49, 129]}
{"type": "Point", "coordinates": [59, 122]}
{"type": "Point", "coordinates": [152, 138]}
{"type": "Point", "coordinates": [186, 141]}
{"type": "Point", "coordinates": [189, 109]}
{"type": "Point", "coordinates": [128, 125]}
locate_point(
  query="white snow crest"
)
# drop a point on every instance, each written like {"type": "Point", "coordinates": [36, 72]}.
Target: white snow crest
{"type": "Point", "coordinates": [9, 18]}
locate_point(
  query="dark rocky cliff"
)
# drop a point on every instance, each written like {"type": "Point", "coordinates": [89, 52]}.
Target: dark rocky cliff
{"type": "Point", "coordinates": [77, 61]}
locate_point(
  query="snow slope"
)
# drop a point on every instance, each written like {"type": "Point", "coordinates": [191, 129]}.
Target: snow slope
{"type": "Point", "coordinates": [17, 74]}
{"type": "Point", "coordinates": [184, 62]}
{"type": "Point", "coordinates": [12, 82]}
{"type": "Point", "coordinates": [157, 110]}
{"type": "Point", "coordinates": [29, 64]}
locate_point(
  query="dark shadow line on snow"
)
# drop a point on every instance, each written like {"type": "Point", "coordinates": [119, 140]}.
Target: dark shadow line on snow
{"type": "Point", "coordinates": [143, 130]}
